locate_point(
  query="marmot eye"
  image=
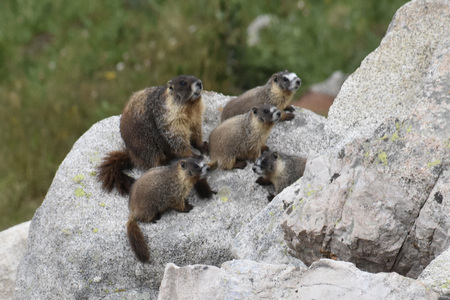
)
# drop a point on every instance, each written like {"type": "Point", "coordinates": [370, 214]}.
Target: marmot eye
{"type": "Point", "coordinates": [266, 111]}
{"type": "Point", "coordinates": [183, 83]}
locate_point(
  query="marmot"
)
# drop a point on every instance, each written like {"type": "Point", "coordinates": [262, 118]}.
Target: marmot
{"type": "Point", "coordinates": [242, 137]}
{"type": "Point", "coordinates": [278, 92]}
{"type": "Point", "coordinates": [157, 125]}
{"type": "Point", "coordinates": [158, 190]}
{"type": "Point", "coordinates": [278, 169]}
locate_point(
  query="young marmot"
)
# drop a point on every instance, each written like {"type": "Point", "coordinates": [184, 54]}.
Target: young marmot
{"type": "Point", "coordinates": [158, 190]}
{"type": "Point", "coordinates": [242, 137]}
{"type": "Point", "coordinates": [157, 125]}
{"type": "Point", "coordinates": [278, 92]}
{"type": "Point", "coordinates": [278, 169]}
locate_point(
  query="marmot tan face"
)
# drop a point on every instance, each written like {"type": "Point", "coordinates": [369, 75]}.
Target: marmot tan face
{"type": "Point", "coordinates": [265, 164]}
{"type": "Point", "coordinates": [185, 88]}
{"type": "Point", "coordinates": [158, 124]}
{"type": "Point", "coordinates": [287, 81]}
{"type": "Point", "coordinates": [242, 137]}
{"type": "Point", "coordinates": [158, 190]}
{"type": "Point", "coordinates": [278, 91]}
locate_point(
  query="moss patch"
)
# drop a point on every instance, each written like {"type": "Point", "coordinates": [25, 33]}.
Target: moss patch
{"type": "Point", "coordinates": [382, 157]}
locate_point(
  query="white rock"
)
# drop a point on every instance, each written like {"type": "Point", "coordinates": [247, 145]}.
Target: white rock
{"type": "Point", "coordinates": [13, 243]}
{"type": "Point", "coordinates": [325, 279]}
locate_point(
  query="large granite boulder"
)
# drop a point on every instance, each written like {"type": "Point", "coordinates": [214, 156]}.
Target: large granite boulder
{"type": "Point", "coordinates": [78, 246]}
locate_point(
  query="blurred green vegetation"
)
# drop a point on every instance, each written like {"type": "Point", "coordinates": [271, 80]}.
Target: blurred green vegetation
{"type": "Point", "coordinates": [65, 65]}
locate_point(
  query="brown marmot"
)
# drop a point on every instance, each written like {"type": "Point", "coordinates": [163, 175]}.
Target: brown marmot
{"type": "Point", "coordinates": [278, 92]}
{"type": "Point", "coordinates": [278, 169]}
{"type": "Point", "coordinates": [158, 190]}
{"type": "Point", "coordinates": [242, 137]}
{"type": "Point", "coordinates": [157, 125]}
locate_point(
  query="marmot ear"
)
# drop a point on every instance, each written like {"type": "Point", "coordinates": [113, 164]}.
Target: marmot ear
{"type": "Point", "coordinates": [170, 85]}
{"type": "Point", "coordinates": [183, 164]}
{"type": "Point", "coordinates": [275, 78]}
{"type": "Point", "coordinates": [275, 155]}
{"type": "Point", "coordinates": [254, 110]}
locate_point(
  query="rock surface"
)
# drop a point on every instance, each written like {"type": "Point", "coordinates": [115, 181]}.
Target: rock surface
{"type": "Point", "coordinates": [370, 199]}
{"type": "Point", "coordinates": [78, 245]}
{"type": "Point", "coordinates": [13, 243]}
{"type": "Point", "coordinates": [437, 274]}
{"type": "Point", "coordinates": [325, 279]}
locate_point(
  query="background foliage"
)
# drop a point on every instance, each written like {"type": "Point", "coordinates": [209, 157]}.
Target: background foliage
{"type": "Point", "coordinates": [65, 65]}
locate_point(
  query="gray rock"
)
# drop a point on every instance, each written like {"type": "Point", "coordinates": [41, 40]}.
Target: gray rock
{"type": "Point", "coordinates": [325, 279]}
{"type": "Point", "coordinates": [437, 274]}
{"type": "Point", "coordinates": [13, 242]}
{"type": "Point", "coordinates": [397, 77]}
{"type": "Point", "coordinates": [78, 246]}
{"type": "Point", "coordinates": [262, 239]}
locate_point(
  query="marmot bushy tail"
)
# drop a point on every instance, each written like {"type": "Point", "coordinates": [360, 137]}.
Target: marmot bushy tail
{"type": "Point", "coordinates": [111, 172]}
{"type": "Point", "coordinates": [137, 241]}
{"type": "Point", "coordinates": [158, 124]}
{"type": "Point", "coordinates": [278, 169]}
{"type": "Point", "coordinates": [278, 91]}
{"type": "Point", "coordinates": [242, 137]}
{"type": "Point", "coordinates": [158, 190]}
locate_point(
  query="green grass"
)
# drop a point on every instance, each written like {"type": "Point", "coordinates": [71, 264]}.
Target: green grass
{"type": "Point", "coordinates": [65, 65]}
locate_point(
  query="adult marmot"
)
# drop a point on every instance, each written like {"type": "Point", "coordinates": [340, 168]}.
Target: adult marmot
{"type": "Point", "coordinates": [157, 125]}
{"type": "Point", "coordinates": [242, 137]}
{"type": "Point", "coordinates": [158, 190]}
{"type": "Point", "coordinates": [278, 92]}
{"type": "Point", "coordinates": [278, 169]}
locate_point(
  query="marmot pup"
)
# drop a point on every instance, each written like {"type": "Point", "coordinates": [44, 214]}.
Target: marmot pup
{"type": "Point", "coordinates": [242, 137]}
{"type": "Point", "coordinates": [278, 169]}
{"type": "Point", "coordinates": [158, 190]}
{"type": "Point", "coordinates": [278, 92]}
{"type": "Point", "coordinates": [157, 125]}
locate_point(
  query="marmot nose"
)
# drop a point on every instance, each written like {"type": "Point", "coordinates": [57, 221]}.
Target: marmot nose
{"type": "Point", "coordinates": [278, 113]}
{"type": "Point", "coordinates": [199, 84]}
{"type": "Point", "coordinates": [254, 169]}
{"type": "Point", "coordinates": [298, 81]}
{"type": "Point", "coordinates": [207, 168]}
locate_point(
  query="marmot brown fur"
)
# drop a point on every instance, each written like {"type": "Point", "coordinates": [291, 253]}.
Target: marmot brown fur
{"type": "Point", "coordinates": [158, 190]}
{"type": "Point", "coordinates": [157, 125]}
{"type": "Point", "coordinates": [278, 92]}
{"type": "Point", "coordinates": [242, 137]}
{"type": "Point", "coordinates": [278, 169]}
